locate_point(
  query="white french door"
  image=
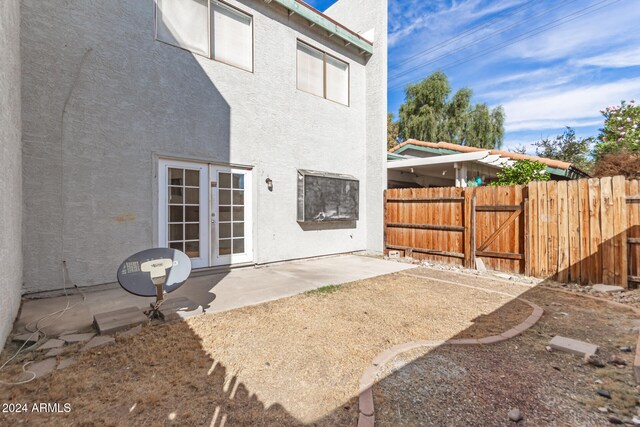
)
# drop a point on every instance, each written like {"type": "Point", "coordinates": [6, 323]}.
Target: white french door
{"type": "Point", "coordinates": [183, 214]}
{"type": "Point", "coordinates": [205, 212]}
{"type": "Point", "coordinates": [231, 228]}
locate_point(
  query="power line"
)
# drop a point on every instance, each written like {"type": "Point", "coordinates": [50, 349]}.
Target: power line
{"type": "Point", "coordinates": [517, 39]}
{"type": "Point", "coordinates": [462, 35]}
{"type": "Point", "coordinates": [490, 35]}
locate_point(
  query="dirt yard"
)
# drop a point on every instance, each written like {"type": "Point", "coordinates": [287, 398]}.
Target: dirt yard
{"type": "Point", "coordinates": [298, 361]}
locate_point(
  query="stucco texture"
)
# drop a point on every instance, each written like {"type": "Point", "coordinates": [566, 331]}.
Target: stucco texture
{"type": "Point", "coordinates": [10, 166]}
{"type": "Point", "coordinates": [103, 100]}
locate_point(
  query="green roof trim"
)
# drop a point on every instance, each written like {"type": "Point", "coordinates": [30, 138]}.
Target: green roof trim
{"type": "Point", "coordinates": [324, 22]}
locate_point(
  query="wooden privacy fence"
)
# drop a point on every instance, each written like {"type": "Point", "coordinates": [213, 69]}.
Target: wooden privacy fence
{"type": "Point", "coordinates": [584, 231]}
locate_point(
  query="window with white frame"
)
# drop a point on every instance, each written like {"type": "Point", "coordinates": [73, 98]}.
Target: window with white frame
{"type": "Point", "coordinates": [211, 29]}
{"type": "Point", "coordinates": [321, 74]}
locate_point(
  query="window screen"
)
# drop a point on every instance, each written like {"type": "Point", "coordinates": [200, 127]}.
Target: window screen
{"type": "Point", "coordinates": [337, 80]}
{"type": "Point", "coordinates": [232, 36]}
{"type": "Point", "coordinates": [310, 70]}
{"type": "Point", "coordinates": [322, 74]}
{"type": "Point", "coordinates": [184, 23]}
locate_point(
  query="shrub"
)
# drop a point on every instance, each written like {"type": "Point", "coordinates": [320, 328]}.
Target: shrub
{"type": "Point", "coordinates": [522, 172]}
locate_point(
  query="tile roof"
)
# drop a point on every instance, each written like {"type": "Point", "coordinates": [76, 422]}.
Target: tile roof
{"type": "Point", "coordinates": [465, 149]}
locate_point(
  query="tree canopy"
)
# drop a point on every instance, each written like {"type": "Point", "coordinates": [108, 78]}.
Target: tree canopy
{"type": "Point", "coordinates": [392, 132]}
{"type": "Point", "coordinates": [430, 113]}
{"type": "Point", "coordinates": [567, 148]}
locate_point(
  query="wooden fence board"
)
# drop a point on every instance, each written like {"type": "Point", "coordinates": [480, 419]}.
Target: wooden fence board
{"type": "Point", "coordinates": [563, 233]}
{"type": "Point", "coordinates": [534, 237]}
{"type": "Point", "coordinates": [552, 221]}
{"type": "Point", "coordinates": [573, 227]}
{"type": "Point", "coordinates": [606, 224]}
{"type": "Point", "coordinates": [585, 231]}
{"type": "Point", "coordinates": [620, 259]}
{"type": "Point", "coordinates": [595, 256]}
{"type": "Point", "coordinates": [585, 236]}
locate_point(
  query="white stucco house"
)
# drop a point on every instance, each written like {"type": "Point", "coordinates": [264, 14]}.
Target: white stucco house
{"type": "Point", "coordinates": [192, 124]}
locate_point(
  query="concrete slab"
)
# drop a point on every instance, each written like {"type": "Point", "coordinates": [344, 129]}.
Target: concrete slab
{"type": "Point", "coordinates": [65, 363]}
{"type": "Point", "coordinates": [52, 343]}
{"type": "Point", "coordinates": [179, 308]}
{"type": "Point", "coordinates": [98, 341]}
{"type": "Point", "coordinates": [607, 288]}
{"type": "Point", "coordinates": [572, 346]}
{"type": "Point", "coordinates": [55, 352]}
{"type": "Point", "coordinates": [30, 338]}
{"type": "Point", "coordinates": [131, 332]}
{"type": "Point", "coordinates": [72, 338]}
{"type": "Point", "coordinates": [118, 320]}
{"type": "Point", "coordinates": [41, 368]}
{"type": "Point", "coordinates": [216, 292]}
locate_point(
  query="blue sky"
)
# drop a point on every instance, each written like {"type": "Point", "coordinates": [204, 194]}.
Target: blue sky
{"type": "Point", "coordinates": [550, 64]}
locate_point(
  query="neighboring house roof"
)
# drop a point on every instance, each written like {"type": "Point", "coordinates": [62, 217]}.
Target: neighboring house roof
{"type": "Point", "coordinates": [556, 166]}
{"type": "Point", "coordinates": [315, 17]}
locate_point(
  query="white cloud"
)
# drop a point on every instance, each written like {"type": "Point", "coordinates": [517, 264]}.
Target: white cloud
{"type": "Point", "coordinates": [618, 59]}
{"type": "Point", "coordinates": [577, 106]}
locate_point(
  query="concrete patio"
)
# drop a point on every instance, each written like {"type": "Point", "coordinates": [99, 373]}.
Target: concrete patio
{"type": "Point", "coordinates": [213, 293]}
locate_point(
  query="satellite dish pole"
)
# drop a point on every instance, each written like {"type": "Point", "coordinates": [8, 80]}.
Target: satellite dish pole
{"type": "Point", "coordinates": [157, 269]}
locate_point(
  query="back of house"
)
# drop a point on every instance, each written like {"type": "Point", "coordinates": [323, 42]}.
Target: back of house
{"type": "Point", "coordinates": [190, 124]}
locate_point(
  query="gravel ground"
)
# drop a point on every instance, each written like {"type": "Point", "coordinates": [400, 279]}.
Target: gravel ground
{"type": "Point", "coordinates": [288, 362]}
{"type": "Point", "coordinates": [479, 385]}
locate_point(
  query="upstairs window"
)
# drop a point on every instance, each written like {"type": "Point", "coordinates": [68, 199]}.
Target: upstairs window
{"type": "Point", "coordinates": [232, 39]}
{"type": "Point", "coordinates": [321, 74]}
{"type": "Point", "coordinates": [184, 23]}
{"type": "Point", "coordinates": [211, 29]}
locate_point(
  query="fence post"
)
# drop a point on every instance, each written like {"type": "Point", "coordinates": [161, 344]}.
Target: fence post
{"type": "Point", "coordinates": [467, 228]}
{"type": "Point", "coordinates": [527, 255]}
{"type": "Point", "coordinates": [385, 220]}
{"type": "Point", "coordinates": [473, 231]}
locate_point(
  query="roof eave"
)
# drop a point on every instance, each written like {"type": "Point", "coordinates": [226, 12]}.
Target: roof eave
{"type": "Point", "coordinates": [318, 18]}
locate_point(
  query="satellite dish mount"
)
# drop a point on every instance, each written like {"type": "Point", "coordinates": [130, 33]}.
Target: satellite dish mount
{"type": "Point", "coordinates": [157, 269]}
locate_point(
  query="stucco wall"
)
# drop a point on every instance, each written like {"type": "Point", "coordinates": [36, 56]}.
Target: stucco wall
{"type": "Point", "coordinates": [361, 16]}
{"type": "Point", "coordinates": [101, 96]}
{"type": "Point", "coordinates": [10, 166]}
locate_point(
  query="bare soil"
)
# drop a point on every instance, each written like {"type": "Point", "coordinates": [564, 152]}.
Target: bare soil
{"type": "Point", "coordinates": [298, 361]}
{"type": "Point", "coordinates": [479, 385]}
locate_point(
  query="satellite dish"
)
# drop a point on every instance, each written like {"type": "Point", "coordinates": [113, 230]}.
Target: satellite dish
{"type": "Point", "coordinates": [154, 272]}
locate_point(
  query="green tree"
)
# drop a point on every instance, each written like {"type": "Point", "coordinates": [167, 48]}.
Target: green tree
{"type": "Point", "coordinates": [567, 148]}
{"type": "Point", "coordinates": [430, 113]}
{"type": "Point", "coordinates": [392, 132]}
{"type": "Point", "coordinates": [621, 131]}
{"type": "Point", "coordinates": [522, 172]}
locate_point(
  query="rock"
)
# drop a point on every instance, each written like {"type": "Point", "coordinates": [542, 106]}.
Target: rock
{"type": "Point", "coordinates": [603, 409]}
{"type": "Point", "coordinates": [625, 349]}
{"type": "Point", "coordinates": [515, 415]}
{"type": "Point", "coordinates": [77, 337]}
{"type": "Point", "coordinates": [52, 343]}
{"type": "Point", "coordinates": [617, 360]}
{"type": "Point", "coordinates": [636, 420]}
{"type": "Point", "coordinates": [604, 393]}
{"type": "Point", "coordinates": [98, 342]}
{"type": "Point", "coordinates": [593, 360]}
{"type": "Point", "coordinates": [505, 276]}
{"type": "Point", "coordinates": [548, 348]}
{"type": "Point", "coordinates": [606, 288]}
{"type": "Point", "coordinates": [599, 381]}
{"type": "Point", "coordinates": [394, 254]}
{"type": "Point", "coordinates": [615, 420]}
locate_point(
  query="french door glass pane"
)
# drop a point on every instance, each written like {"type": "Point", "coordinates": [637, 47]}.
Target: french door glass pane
{"type": "Point", "coordinates": [231, 213]}
{"type": "Point", "coordinates": [184, 210]}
